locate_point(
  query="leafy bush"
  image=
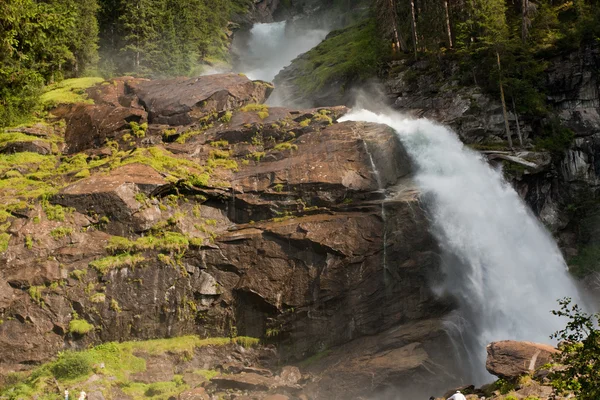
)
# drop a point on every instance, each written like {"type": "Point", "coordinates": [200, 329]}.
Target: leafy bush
{"type": "Point", "coordinates": [71, 365]}
{"type": "Point", "coordinates": [80, 326]}
{"type": "Point", "coordinates": [580, 353]}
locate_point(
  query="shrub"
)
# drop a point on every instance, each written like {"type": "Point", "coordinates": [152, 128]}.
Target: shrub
{"type": "Point", "coordinates": [80, 326]}
{"type": "Point", "coordinates": [71, 365]}
{"type": "Point", "coordinates": [580, 353]}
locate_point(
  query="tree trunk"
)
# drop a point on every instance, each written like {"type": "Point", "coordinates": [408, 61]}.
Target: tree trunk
{"type": "Point", "coordinates": [525, 20]}
{"type": "Point", "coordinates": [398, 39]}
{"type": "Point", "coordinates": [414, 27]}
{"type": "Point", "coordinates": [508, 135]}
{"type": "Point", "coordinates": [517, 121]}
{"type": "Point", "coordinates": [448, 24]}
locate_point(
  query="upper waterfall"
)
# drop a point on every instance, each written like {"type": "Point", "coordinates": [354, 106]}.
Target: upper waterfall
{"type": "Point", "coordinates": [501, 265]}
{"type": "Point", "coordinates": [271, 47]}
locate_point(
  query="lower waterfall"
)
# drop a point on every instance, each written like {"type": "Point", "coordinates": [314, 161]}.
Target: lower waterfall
{"type": "Point", "coordinates": [500, 264]}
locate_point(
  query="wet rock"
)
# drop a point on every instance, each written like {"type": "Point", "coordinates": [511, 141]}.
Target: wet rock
{"type": "Point", "coordinates": [511, 359]}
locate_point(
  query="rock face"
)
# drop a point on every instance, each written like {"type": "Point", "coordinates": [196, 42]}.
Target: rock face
{"type": "Point", "coordinates": [224, 220]}
{"type": "Point", "coordinates": [552, 184]}
{"type": "Point", "coordinates": [510, 359]}
{"type": "Point", "coordinates": [181, 101]}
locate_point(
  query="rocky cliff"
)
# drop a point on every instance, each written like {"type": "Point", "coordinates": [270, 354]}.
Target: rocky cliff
{"type": "Point", "coordinates": [188, 207]}
{"type": "Point", "coordinates": [560, 185]}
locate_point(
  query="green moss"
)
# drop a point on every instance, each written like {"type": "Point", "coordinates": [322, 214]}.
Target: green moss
{"type": "Point", "coordinates": [305, 123]}
{"type": "Point", "coordinates": [263, 114]}
{"type": "Point", "coordinates": [187, 135]}
{"type": "Point", "coordinates": [285, 146]}
{"type": "Point", "coordinates": [114, 305]}
{"type": "Point", "coordinates": [257, 155]}
{"type": "Point", "coordinates": [220, 143]}
{"type": "Point", "coordinates": [55, 212]}
{"type": "Point", "coordinates": [28, 242]}
{"type": "Point", "coordinates": [207, 373]}
{"type": "Point", "coordinates": [80, 326]}
{"type": "Point", "coordinates": [349, 55]}
{"type": "Point", "coordinates": [219, 154]}
{"type": "Point", "coordinates": [226, 117]}
{"type": "Point", "coordinates": [222, 163]}
{"type": "Point", "coordinates": [61, 232]}
{"type": "Point", "coordinates": [139, 130]}
{"type": "Point", "coordinates": [98, 298]}
{"type": "Point", "coordinates": [35, 292]}
{"type": "Point", "coordinates": [164, 241]}
{"type": "Point", "coordinates": [11, 137]}
{"type": "Point", "coordinates": [278, 188]}
{"type": "Point", "coordinates": [69, 91]}
{"type": "Point", "coordinates": [322, 117]}
{"type": "Point", "coordinates": [105, 264]}
{"type": "Point", "coordinates": [4, 239]}
{"type": "Point", "coordinates": [255, 107]}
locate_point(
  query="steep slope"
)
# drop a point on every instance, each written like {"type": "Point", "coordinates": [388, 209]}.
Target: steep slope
{"type": "Point", "coordinates": [194, 209]}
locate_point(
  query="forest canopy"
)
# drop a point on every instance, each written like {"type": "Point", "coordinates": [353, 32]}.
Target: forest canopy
{"type": "Point", "coordinates": [42, 42]}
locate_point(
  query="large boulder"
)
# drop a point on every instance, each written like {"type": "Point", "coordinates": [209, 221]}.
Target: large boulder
{"type": "Point", "coordinates": [91, 126]}
{"type": "Point", "coordinates": [510, 359]}
{"type": "Point", "coordinates": [114, 196]}
{"type": "Point", "coordinates": [182, 101]}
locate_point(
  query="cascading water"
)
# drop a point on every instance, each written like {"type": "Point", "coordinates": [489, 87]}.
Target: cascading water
{"type": "Point", "coordinates": [271, 47]}
{"type": "Point", "coordinates": [504, 269]}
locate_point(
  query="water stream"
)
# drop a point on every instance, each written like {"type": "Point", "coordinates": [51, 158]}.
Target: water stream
{"type": "Point", "coordinates": [500, 264]}
{"type": "Point", "coordinates": [271, 47]}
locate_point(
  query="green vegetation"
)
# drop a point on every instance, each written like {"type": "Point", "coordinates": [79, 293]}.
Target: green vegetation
{"type": "Point", "coordinates": [555, 137]}
{"type": "Point", "coordinates": [350, 55]}
{"type": "Point", "coordinates": [285, 146]}
{"type": "Point", "coordinates": [40, 43]}
{"type": "Point", "coordinates": [580, 353]}
{"type": "Point", "coordinates": [4, 239]}
{"type": "Point", "coordinates": [226, 117]}
{"type": "Point", "coordinates": [163, 37]}
{"type": "Point", "coordinates": [61, 232]}
{"type": "Point", "coordinates": [105, 264]}
{"type": "Point", "coordinates": [35, 292]}
{"type": "Point", "coordinates": [68, 91]}
{"type": "Point", "coordinates": [98, 298]}
{"type": "Point", "coordinates": [137, 129]}
{"type": "Point", "coordinates": [73, 369]}
{"type": "Point", "coordinates": [80, 326]}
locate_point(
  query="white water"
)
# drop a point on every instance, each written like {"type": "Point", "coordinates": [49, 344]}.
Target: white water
{"type": "Point", "coordinates": [273, 46]}
{"type": "Point", "coordinates": [501, 265]}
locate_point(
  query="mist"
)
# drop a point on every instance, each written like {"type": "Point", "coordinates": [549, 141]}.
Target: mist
{"type": "Point", "coordinates": [266, 49]}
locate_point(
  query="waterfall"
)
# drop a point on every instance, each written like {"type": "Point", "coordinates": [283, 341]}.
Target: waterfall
{"type": "Point", "coordinates": [500, 264]}
{"type": "Point", "coordinates": [271, 47]}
